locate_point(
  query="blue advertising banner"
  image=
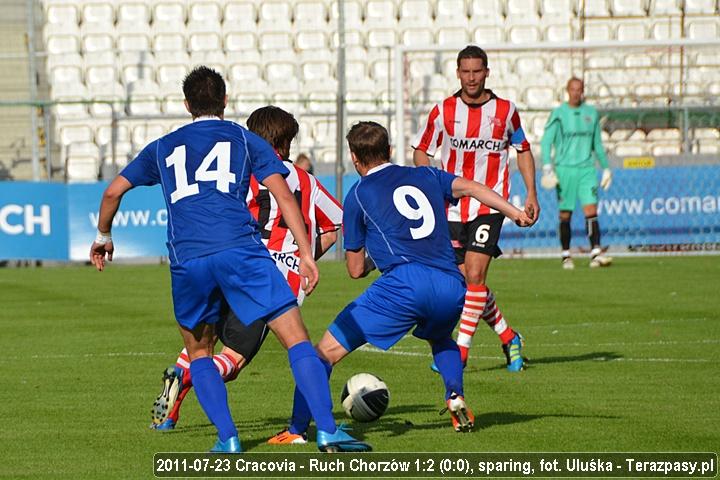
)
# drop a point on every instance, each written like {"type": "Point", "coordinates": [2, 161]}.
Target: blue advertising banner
{"type": "Point", "coordinates": [643, 207]}
{"type": "Point", "coordinates": [33, 221]}
{"type": "Point", "coordinates": [659, 206]}
{"type": "Point", "coordinates": [139, 228]}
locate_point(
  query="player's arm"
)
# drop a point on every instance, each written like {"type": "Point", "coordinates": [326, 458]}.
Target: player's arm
{"type": "Point", "coordinates": [463, 187]}
{"type": "Point", "coordinates": [526, 165]}
{"type": "Point", "coordinates": [294, 220]}
{"type": "Point", "coordinates": [327, 240]}
{"type": "Point", "coordinates": [420, 158]}
{"type": "Point", "coordinates": [549, 179]}
{"type": "Point", "coordinates": [109, 205]}
{"type": "Point", "coordinates": [427, 139]}
{"type": "Point", "coordinates": [599, 150]}
{"type": "Point", "coordinates": [358, 263]}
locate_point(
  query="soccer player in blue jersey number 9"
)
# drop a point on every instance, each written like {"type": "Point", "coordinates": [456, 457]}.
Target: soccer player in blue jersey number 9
{"type": "Point", "coordinates": [215, 250]}
{"type": "Point", "coordinates": [396, 215]}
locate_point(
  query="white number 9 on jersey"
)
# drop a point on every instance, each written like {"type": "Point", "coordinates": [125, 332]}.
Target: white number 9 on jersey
{"type": "Point", "coordinates": [424, 210]}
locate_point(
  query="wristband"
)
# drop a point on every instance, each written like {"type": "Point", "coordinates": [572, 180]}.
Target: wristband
{"type": "Point", "coordinates": [103, 238]}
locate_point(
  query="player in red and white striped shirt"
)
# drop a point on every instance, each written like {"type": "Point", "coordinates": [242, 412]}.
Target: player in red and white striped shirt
{"type": "Point", "coordinates": [323, 217]}
{"type": "Point", "coordinates": [473, 130]}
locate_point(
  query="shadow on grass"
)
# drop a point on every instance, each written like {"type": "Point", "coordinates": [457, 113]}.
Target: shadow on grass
{"type": "Point", "coordinates": [392, 424]}
{"type": "Point", "coordinates": [530, 363]}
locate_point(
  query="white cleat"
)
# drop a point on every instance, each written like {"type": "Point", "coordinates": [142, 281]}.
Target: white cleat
{"type": "Point", "coordinates": [600, 260]}
{"type": "Point", "coordinates": [567, 263]}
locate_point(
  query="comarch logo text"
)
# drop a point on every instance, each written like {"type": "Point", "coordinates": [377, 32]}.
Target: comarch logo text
{"type": "Point", "coordinates": [25, 219]}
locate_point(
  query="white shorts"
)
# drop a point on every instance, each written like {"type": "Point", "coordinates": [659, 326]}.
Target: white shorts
{"type": "Point", "coordinates": [289, 265]}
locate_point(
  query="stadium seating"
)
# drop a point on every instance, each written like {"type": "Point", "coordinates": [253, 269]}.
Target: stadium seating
{"type": "Point", "coordinates": [136, 53]}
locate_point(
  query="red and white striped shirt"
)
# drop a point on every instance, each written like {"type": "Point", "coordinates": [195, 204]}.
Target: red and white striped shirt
{"type": "Point", "coordinates": [474, 141]}
{"type": "Point", "coordinates": [320, 211]}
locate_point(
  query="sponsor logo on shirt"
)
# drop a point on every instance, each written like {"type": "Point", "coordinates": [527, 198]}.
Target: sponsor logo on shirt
{"type": "Point", "coordinates": [461, 143]}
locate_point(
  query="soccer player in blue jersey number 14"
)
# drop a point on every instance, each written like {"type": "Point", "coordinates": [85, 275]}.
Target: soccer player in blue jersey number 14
{"type": "Point", "coordinates": [396, 215]}
{"type": "Point", "coordinates": [215, 250]}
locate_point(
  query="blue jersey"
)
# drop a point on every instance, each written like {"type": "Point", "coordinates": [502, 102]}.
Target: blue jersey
{"type": "Point", "coordinates": [398, 215]}
{"type": "Point", "coordinates": [204, 169]}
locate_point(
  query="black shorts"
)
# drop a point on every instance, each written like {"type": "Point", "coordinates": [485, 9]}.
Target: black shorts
{"type": "Point", "coordinates": [234, 334]}
{"type": "Point", "coordinates": [480, 235]}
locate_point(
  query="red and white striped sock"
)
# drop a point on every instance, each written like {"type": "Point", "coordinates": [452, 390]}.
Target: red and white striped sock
{"type": "Point", "coordinates": [495, 320]}
{"type": "Point", "coordinates": [225, 365]}
{"type": "Point", "coordinates": [475, 299]}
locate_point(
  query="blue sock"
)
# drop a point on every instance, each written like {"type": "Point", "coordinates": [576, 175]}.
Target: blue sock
{"type": "Point", "coordinates": [212, 395]}
{"type": "Point", "coordinates": [301, 415]}
{"type": "Point", "coordinates": [447, 358]}
{"type": "Point", "coordinates": [312, 381]}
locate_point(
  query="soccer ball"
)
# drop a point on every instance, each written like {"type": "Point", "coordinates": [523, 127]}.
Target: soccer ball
{"type": "Point", "coordinates": [365, 397]}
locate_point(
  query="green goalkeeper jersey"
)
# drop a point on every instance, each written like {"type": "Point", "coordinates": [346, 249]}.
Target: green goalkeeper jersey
{"type": "Point", "coordinates": [575, 135]}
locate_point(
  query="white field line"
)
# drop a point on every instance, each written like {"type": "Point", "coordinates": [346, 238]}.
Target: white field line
{"type": "Point", "coordinates": [599, 359]}
{"type": "Point", "coordinates": [54, 356]}
{"type": "Point", "coordinates": [624, 322]}
{"type": "Point", "coordinates": [707, 341]}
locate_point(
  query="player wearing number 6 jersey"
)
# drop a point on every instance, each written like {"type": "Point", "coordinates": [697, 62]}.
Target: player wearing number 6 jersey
{"type": "Point", "coordinates": [473, 130]}
{"type": "Point", "coordinates": [396, 215]}
{"type": "Point", "coordinates": [215, 250]}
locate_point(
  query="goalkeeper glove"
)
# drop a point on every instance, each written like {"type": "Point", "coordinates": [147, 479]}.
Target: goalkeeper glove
{"type": "Point", "coordinates": [606, 179]}
{"type": "Point", "coordinates": [549, 180]}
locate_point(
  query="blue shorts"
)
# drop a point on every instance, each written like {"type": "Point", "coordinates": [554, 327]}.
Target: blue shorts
{"type": "Point", "coordinates": [247, 277]}
{"type": "Point", "coordinates": [410, 295]}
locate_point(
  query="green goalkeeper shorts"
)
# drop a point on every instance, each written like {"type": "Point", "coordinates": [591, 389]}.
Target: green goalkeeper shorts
{"type": "Point", "coordinates": [576, 184]}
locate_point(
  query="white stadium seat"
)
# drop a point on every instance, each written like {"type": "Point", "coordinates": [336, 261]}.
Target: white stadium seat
{"type": "Point", "coordinates": [204, 11]}
{"type": "Point", "coordinates": [133, 42]}
{"type": "Point", "coordinates": [457, 35]}
{"type": "Point", "coordinates": [665, 7]}
{"type": "Point", "coordinates": [524, 34]}
{"type": "Point", "coordinates": [240, 41]}
{"type": "Point", "coordinates": [558, 9]}
{"type": "Point", "coordinates": [169, 42]}
{"type": "Point", "coordinates": [98, 43]}
{"type": "Point", "coordinates": [523, 12]}
{"type": "Point", "coordinates": [596, 8]}
{"type": "Point", "coordinates": [666, 29]}
{"type": "Point", "coordinates": [315, 40]}
{"type": "Point", "coordinates": [630, 30]}
{"type": "Point", "coordinates": [144, 133]}
{"type": "Point", "coordinates": [133, 13]}
{"type": "Point", "coordinates": [240, 15]}
{"type": "Point", "coordinates": [66, 13]}
{"type": "Point", "coordinates": [77, 133]}
{"type": "Point", "coordinates": [66, 74]}
{"type": "Point", "coordinates": [559, 33]}
{"type": "Point", "coordinates": [598, 32]}
{"type": "Point", "coordinates": [704, 7]}
{"type": "Point", "coordinates": [103, 134]}
{"type": "Point", "coordinates": [381, 37]}
{"type": "Point", "coordinates": [310, 14]}
{"type": "Point", "coordinates": [380, 13]}
{"type": "Point", "coordinates": [98, 12]}
{"type": "Point", "coordinates": [416, 9]}
{"type": "Point", "coordinates": [704, 28]}
{"type": "Point", "coordinates": [171, 73]}
{"type": "Point", "coordinates": [450, 10]}
{"type": "Point", "coordinates": [169, 13]}
{"type": "Point", "coordinates": [100, 75]}
{"type": "Point", "coordinates": [275, 10]}
{"type": "Point", "coordinates": [628, 8]}
{"type": "Point", "coordinates": [420, 35]}
{"type": "Point", "coordinates": [62, 44]}
{"type": "Point", "coordinates": [489, 34]}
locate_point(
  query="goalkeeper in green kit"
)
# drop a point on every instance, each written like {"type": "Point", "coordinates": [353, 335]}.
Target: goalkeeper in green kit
{"type": "Point", "coordinates": [573, 129]}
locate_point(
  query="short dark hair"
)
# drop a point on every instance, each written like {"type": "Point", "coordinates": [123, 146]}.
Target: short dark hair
{"type": "Point", "coordinates": [472, 51]}
{"type": "Point", "coordinates": [370, 143]}
{"type": "Point", "coordinates": [204, 90]}
{"type": "Point", "coordinates": [275, 125]}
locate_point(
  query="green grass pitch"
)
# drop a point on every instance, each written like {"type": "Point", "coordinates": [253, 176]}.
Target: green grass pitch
{"type": "Point", "coordinates": [621, 359]}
